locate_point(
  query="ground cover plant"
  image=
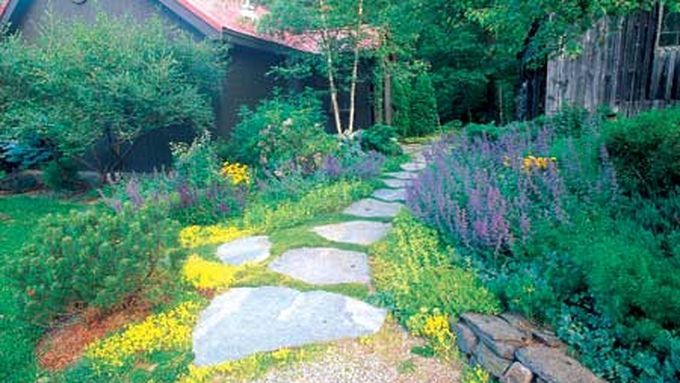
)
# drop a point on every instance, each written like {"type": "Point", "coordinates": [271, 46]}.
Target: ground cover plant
{"type": "Point", "coordinates": [417, 278]}
{"type": "Point", "coordinates": [571, 221]}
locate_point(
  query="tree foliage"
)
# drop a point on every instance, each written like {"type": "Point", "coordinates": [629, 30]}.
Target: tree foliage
{"type": "Point", "coordinates": [74, 88]}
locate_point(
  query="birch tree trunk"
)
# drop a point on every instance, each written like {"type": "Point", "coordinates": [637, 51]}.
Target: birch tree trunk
{"type": "Point", "coordinates": [355, 65]}
{"type": "Point", "coordinates": [326, 45]}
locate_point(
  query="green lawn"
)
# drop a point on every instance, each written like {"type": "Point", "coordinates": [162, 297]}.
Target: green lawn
{"type": "Point", "coordinates": [18, 217]}
{"type": "Point", "coordinates": [19, 214]}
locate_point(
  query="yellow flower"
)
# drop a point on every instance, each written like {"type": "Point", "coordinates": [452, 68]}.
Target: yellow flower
{"type": "Point", "coordinates": [236, 173]}
{"type": "Point", "coordinates": [197, 236]}
{"type": "Point", "coordinates": [537, 163]}
{"type": "Point", "coordinates": [165, 331]}
{"type": "Point", "coordinates": [204, 274]}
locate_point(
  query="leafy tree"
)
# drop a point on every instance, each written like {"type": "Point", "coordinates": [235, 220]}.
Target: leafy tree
{"type": "Point", "coordinates": [337, 29]}
{"type": "Point", "coordinates": [106, 84]}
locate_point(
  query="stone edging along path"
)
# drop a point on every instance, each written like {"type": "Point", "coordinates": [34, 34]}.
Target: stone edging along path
{"type": "Point", "coordinates": [245, 321]}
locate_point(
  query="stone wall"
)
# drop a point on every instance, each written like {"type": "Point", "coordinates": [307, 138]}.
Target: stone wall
{"type": "Point", "coordinates": [516, 351]}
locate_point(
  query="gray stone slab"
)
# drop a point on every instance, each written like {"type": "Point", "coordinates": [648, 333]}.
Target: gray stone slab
{"type": "Point", "coordinates": [496, 333]}
{"type": "Point", "coordinates": [413, 166]}
{"type": "Point", "coordinates": [355, 232]}
{"type": "Point", "coordinates": [249, 249]}
{"type": "Point", "coordinates": [245, 321]}
{"type": "Point", "coordinates": [402, 175]}
{"type": "Point", "coordinates": [554, 366]}
{"type": "Point", "coordinates": [390, 195]}
{"type": "Point", "coordinates": [373, 208]}
{"type": "Point", "coordinates": [396, 183]}
{"type": "Point", "coordinates": [323, 266]}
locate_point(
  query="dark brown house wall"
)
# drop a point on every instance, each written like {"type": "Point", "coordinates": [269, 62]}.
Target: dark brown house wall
{"type": "Point", "coordinates": [30, 13]}
{"type": "Point", "coordinates": [246, 84]}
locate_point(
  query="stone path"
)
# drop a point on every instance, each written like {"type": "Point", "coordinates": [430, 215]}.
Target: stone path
{"type": "Point", "coordinates": [244, 250]}
{"type": "Point", "coordinates": [390, 195]}
{"type": "Point", "coordinates": [323, 266]}
{"type": "Point", "coordinates": [245, 321]}
{"type": "Point", "coordinates": [363, 233]}
{"type": "Point", "coordinates": [372, 208]}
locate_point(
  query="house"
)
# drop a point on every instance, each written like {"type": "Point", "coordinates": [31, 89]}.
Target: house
{"type": "Point", "coordinates": [252, 55]}
{"type": "Point", "coordinates": [627, 64]}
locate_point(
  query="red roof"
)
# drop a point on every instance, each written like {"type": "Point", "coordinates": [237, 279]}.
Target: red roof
{"type": "Point", "coordinates": [230, 15]}
{"type": "Point", "coordinates": [3, 6]}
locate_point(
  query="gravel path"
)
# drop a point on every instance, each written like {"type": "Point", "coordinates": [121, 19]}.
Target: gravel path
{"type": "Point", "coordinates": [383, 358]}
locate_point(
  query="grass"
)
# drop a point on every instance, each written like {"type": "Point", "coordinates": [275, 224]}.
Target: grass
{"type": "Point", "coordinates": [19, 215]}
{"type": "Point", "coordinates": [18, 218]}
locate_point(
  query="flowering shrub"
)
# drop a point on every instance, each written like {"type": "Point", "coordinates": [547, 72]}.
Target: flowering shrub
{"type": "Point", "coordinates": [483, 194]}
{"type": "Point", "coordinates": [236, 173]}
{"type": "Point", "coordinates": [435, 327]}
{"type": "Point", "coordinates": [196, 236]}
{"type": "Point", "coordinates": [204, 274]}
{"type": "Point", "coordinates": [538, 163]}
{"type": "Point", "coordinates": [165, 331]}
{"type": "Point", "coordinates": [559, 241]}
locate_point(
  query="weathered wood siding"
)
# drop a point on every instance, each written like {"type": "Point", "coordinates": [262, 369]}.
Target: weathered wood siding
{"type": "Point", "coordinates": [620, 67]}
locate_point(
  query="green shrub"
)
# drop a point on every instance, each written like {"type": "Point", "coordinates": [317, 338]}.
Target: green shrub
{"type": "Point", "coordinates": [424, 119]}
{"type": "Point", "coordinates": [61, 174]}
{"type": "Point", "coordinates": [144, 82]}
{"type": "Point", "coordinates": [197, 163]}
{"type": "Point", "coordinates": [488, 131]}
{"type": "Point", "coordinates": [382, 139]}
{"type": "Point", "coordinates": [282, 131]}
{"type": "Point", "coordinates": [92, 259]}
{"type": "Point", "coordinates": [646, 151]}
{"type": "Point", "coordinates": [413, 272]}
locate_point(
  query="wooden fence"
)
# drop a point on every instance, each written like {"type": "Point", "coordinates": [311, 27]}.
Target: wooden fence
{"type": "Point", "coordinates": [621, 66]}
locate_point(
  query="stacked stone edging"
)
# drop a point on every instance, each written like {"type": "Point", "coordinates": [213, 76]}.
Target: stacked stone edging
{"type": "Point", "coordinates": [514, 350]}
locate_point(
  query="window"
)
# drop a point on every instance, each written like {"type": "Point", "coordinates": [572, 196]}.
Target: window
{"type": "Point", "coordinates": [670, 30]}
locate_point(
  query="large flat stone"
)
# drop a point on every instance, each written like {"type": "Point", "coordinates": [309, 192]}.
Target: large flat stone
{"type": "Point", "coordinates": [323, 266]}
{"type": "Point", "coordinates": [402, 175]}
{"type": "Point", "coordinates": [245, 321]}
{"type": "Point", "coordinates": [496, 333]}
{"type": "Point", "coordinates": [356, 232]}
{"type": "Point", "coordinates": [249, 249]}
{"type": "Point", "coordinates": [396, 183]}
{"type": "Point", "coordinates": [413, 166]}
{"type": "Point", "coordinates": [490, 361]}
{"type": "Point", "coordinates": [465, 338]}
{"type": "Point", "coordinates": [517, 373]}
{"type": "Point", "coordinates": [554, 366]}
{"type": "Point", "coordinates": [372, 208]}
{"type": "Point", "coordinates": [390, 195]}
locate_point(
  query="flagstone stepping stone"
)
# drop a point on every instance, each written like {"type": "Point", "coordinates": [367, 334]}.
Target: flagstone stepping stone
{"type": "Point", "coordinates": [245, 321]}
{"type": "Point", "coordinates": [402, 175]}
{"type": "Point", "coordinates": [373, 208]}
{"type": "Point", "coordinates": [395, 183]}
{"type": "Point", "coordinates": [413, 166]}
{"type": "Point", "coordinates": [390, 195]}
{"type": "Point", "coordinates": [323, 266]}
{"type": "Point", "coordinates": [356, 232]}
{"type": "Point", "coordinates": [248, 249]}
